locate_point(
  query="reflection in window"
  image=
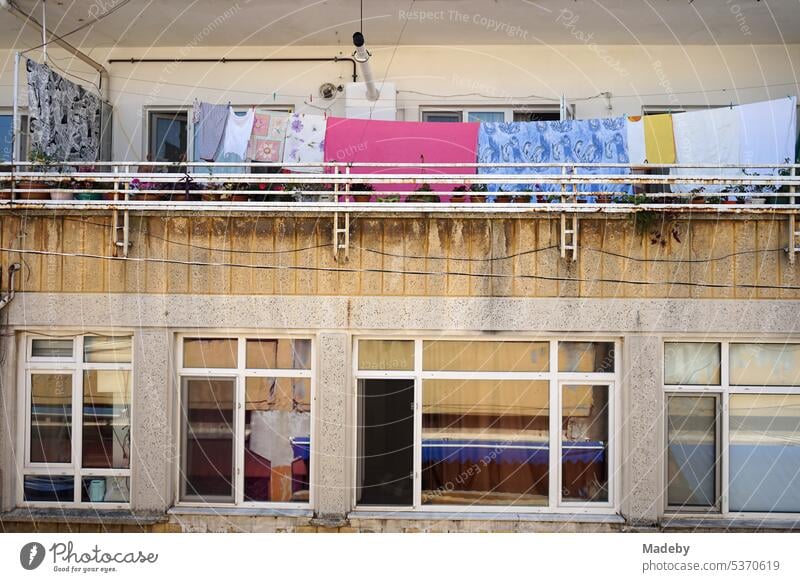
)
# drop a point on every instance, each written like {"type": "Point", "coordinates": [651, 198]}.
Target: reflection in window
{"type": "Point", "coordinates": [279, 354]}
{"type": "Point", "coordinates": [277, 443]}
{"type": "Point", "coordinates": [208, 439]}
{"type": "Point", "coordinates": [47, 488]}
{"type": "Point", "coordinates": [584, 443]}
{"type": "Point", "coordinates": [106, 419]}
{"type": "Point", "coordinates": [485, 442]}
{"type": "Point", "coordinates": [692, 451]}
{"type": "Point", "coordinates": [51, 418]}
{"type": "Point", "coordinates": [586, 357]}
{"type": "Point", "coordinates": [105, 490]}
{"type": "Point", "coordinates": [765, 364]}
{"type": "Point", "coordinates": [51, 348]}
{"type": "Point", "coordinates": [210, 353]}
{"type": "Point", "coordinates": [764, 452]}
{"type": "Point", "coordinates": [692, 364]}
{"type": "Point", "coordinates": [385, 355]}
{"type": "Point", "coordinates": [106, 350]}
{"type": "Point", "coordinates": [485, 356]}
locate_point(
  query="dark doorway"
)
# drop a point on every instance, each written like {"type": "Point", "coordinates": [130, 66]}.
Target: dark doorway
{"type": "Point", "coordinates": [385, 442]}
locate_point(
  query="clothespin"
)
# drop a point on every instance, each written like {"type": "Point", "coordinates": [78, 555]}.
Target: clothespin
{"type": "Point", "coordinates": [731, 104]}
{"type": "Point", "coordinates": [273, 95]}
{"type": "Point", "coordinates": [311, 98]}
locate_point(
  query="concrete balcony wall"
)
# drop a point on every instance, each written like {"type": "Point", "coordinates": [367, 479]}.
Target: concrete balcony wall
{"type": "Point", "coordinates": [703, 258]}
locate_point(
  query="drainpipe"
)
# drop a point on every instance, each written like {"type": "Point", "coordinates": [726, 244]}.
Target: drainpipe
{"type": "Point", "coordinates": [12, 7]}
{"type": "Point", "coordinates": [362, 58]}
{"type": "Point", "coordinates": [9, 295]}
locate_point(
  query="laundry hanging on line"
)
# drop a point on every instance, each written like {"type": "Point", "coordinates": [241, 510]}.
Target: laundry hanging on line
{"type": "Point", "coordinates": [209, 125]}
{"type": "Point", "coordinates": [268, 136]}
{"type": "Point", "coordinates": [305, 141]}
{"type": "Point", "coordinates": [63, 117]}
{"type": "Point", "coordinates": [561, 142]}
{"type": "Point", "coordinates": [412, 142]}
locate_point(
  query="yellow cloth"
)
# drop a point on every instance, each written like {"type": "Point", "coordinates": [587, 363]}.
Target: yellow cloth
{"type": "Point", "coordinates": [659, 139]}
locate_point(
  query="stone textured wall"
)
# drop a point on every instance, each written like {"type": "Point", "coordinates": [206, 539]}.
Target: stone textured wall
{"type": "Point", "coordinates": [415, 256]}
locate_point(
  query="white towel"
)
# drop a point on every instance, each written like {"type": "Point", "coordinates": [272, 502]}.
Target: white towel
{"type": "Point", "coordinates": [709, 136]}
{"type": "Point", "coordinates": [637, 153]}
{"type": "Point", "coordinates": [237, 135]}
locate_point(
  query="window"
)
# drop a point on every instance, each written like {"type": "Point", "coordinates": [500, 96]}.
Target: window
{"type": "Point", "coordinates": [77, 420]}
{"type": "Point", "coordinates": [475, 423]}
{"type": "Point", "coordinates": [245, 420]}
{"type": "Point", "coordinates": [733, 426]}
{"type": "Point", "coordinates": [7, 135]}
{"type": "Point", "coordinates": [168, 132]}
{"type": "Point", "coordinates": [492, 114]}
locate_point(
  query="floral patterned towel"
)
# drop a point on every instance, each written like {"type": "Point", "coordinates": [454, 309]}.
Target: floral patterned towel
{"type": "Point", "coordinates": [569, 141]}
{"type": "Point", "coordinates": [305, 141]}
{"type": "Point", "coordinates": [269, 134]}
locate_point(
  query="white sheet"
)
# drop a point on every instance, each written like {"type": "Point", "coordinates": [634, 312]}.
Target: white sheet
{"type": "Point", "coordinates": [768, 131]}
{"type": "Point", "coordinates": [637, 153]}
{"type": "Point", "coordinates": [709, 136]}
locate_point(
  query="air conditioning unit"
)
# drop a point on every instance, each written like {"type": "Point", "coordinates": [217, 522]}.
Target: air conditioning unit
{"type": "Point", "coordinates": [357, 106]}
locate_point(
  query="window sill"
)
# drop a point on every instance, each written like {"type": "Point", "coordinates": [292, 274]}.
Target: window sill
{"type": "Point", "coordinates": [241, 511]}
{"type": "Point", "coordinates": [489, 516]}
{"type": "Point", "coordinates": [719, 523]}
{"type": "Point", "coordinates": [85, 516]}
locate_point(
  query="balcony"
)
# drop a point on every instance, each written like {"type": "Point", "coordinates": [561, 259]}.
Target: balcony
{"type": "Point", "coordinates": [199, 187]}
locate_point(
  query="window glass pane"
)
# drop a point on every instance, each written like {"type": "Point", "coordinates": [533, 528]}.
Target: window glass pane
{"type": "Point", "coordinates": [207, 411]}
{"type": "Point", "coordinates": [442, 116]}
{"type": "Point", "coordinates": [485, 442]}
{"type": "Point", "coordinates": [584, 443]}
{"type": "Point", "coordinates": [106, 419]}
{"type": "Point", "coordinates": [486, 116]}
{"type": "Point", "coordinates": [51, 348]}
{"type": "Point", "coordinates": [107, 350]}
{"type": "Point", "coordinates": [765, 452]}
{"type": "Point", "coordinates": [277, 439]}
{"type": "Point", "coordinates": [586, 357]}
{"type": "Point", "coordinates": [485, 356]}
{"type": "Point", "coordinates": [765, 364]}
{"type": "Point", "coordinates": [210, 353]}
{"type": "Point", "coordinates": [168, 137]}
{"type": "Point", "coordinates": [6, 134]}
{"type": "Point", "coordinates": [51, 418]}
{"type": "Point", "coordinates": [692, 451]}
{"type": "Point", "coordinates": [105, 490]}
{"type": "Point", "coordinates": [537, 115]}
{"type": "Point", "coordinates": [385, 355]}
{"type": "Point", "coordinates": [385, 442]}
{"type": "Point", "coordinates": [692, 364]}
{"type": "Point", "coordinates": [279, 354]}
{"type": "Point", "coordinates": [44, 488]}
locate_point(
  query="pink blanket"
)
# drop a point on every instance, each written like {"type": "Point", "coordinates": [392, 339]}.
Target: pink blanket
{"type": "Point", "coordinates": [364, 140]}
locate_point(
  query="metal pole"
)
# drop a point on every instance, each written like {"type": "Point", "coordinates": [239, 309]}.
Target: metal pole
{"type": "Point", "coordinates": [44, 31]}
{"type": "Point", "coordinates": [15, 123]}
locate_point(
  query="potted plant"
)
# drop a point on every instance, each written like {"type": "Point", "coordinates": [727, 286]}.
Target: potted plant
{"type": "Point", "coordinates": [480, 191]}
{"type": "Point", "coordinates": [5, 190]}
{"type": "Point", "coordinates": [459, 195]}
{"type": "Point", "coordinates": [360, 197]}
{"type": "Point", "coordinates": [421, 194]}
{"type": "Point", "coordinates": [36, 189]}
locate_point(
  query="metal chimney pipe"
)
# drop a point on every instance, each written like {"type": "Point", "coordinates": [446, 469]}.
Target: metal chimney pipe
{"type": "Point", "coordinates": [361, 55]}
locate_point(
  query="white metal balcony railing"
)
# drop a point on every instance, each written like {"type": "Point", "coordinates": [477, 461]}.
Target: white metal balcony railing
{"type": "Point", "coordinates": [205, 186]}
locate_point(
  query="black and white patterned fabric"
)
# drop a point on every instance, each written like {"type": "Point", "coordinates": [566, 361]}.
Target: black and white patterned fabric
{"type": "Point", "coordinates": [64, 117]}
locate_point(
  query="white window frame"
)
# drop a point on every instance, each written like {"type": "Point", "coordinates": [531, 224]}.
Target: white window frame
{"type": "Point", "coordinates": [723, 391]}
{"type": "Point", "coordinates": [74, 367]}
{"type": "Point", "coordinates": [507, 110]}
{"type": "Point", "coordinates": [556, 381]}
{"type": "Point", "coordinates": [22, 145]}
{"type": "Point", "coordinates": [240, 373]}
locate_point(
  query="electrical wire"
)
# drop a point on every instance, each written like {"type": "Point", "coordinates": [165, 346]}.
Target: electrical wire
{"type": "Point", "coordinates": [92, 22]}
{"type": "Point", "coordinates": [442, 258]}
{"type": "Point", "coordinates": [226, 264]}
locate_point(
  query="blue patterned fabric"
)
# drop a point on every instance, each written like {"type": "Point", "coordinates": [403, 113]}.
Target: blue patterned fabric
{"type": "Point", "coordinates": [570, 141]}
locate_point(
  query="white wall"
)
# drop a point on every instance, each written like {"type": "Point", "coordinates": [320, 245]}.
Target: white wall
{"type": "Point", "coordinates": [634, 75]}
